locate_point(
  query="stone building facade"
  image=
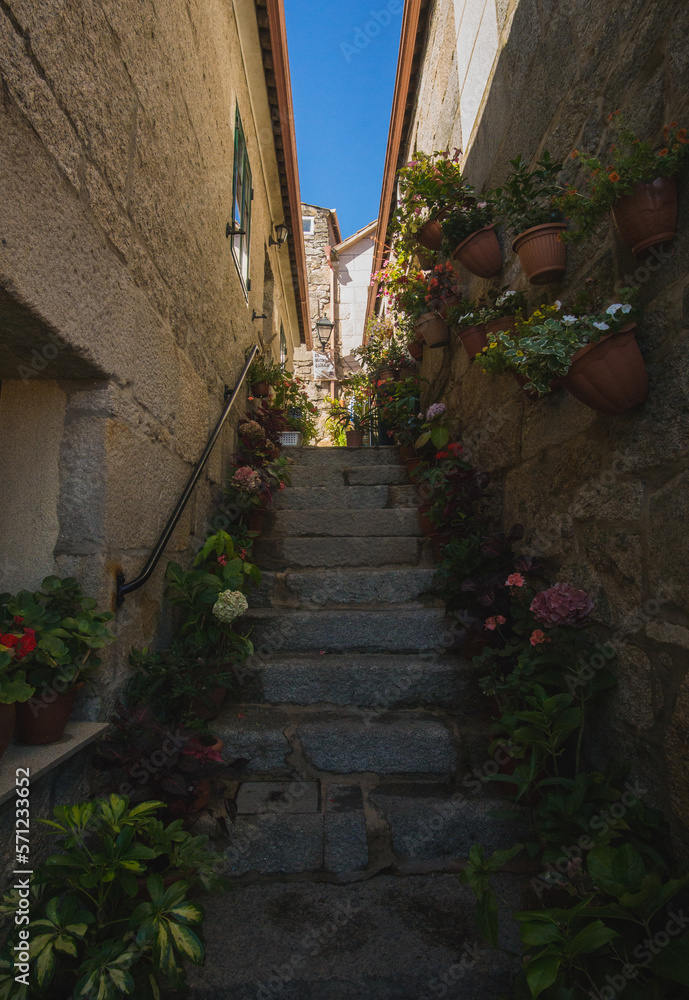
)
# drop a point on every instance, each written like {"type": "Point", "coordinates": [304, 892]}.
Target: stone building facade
{"type": "Point", "coordinates": [603, 498]}
{"type": "Point", "coordinates": [125, 310]}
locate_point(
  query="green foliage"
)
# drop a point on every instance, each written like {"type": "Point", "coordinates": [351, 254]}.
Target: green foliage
{"type": "Point", "coordinates": [13, 685]}
{"type": "Point", "coordinates": [399, 409]}
{"type": "Point", "coordinates": [464, 220]}
{"type": "Point", "coordinates": [104, 922]}
{"type": "Point", "coordinates": [427, 184]}
{"type": "Point", "coordinates": [529, 196]}
{"type": "Point", "coordinates": [265, 369]}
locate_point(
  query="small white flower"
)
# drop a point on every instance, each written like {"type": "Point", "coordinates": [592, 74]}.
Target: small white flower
{"type": "Point", "coordinates": [626, 308]}
{"type": "Point", "coordinates": [568, 320]}
{"type": "Point", "coordinates": [601, 326]}
{"type": "Point", "coordinates": [611, 310]}
{"type": "Point", "coordinates": [557, 304]}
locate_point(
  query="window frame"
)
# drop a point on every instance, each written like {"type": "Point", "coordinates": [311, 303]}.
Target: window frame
{"type": "Point", "coordinates": [312, 219]}
{"type": "Point", "coordinates": [283, 346]}
{"type": "Point", "coordinates": [242, 197]}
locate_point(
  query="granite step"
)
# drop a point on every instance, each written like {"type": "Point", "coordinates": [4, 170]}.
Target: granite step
{"type": "Point", "coordinates": [364, 679]}
{"type": "Point", "coordinates": [384, 938]}
{"type": "Point", "coordinates": [360, 475]}
{"type": "Point", "coordinates": [296, 742]}
{"type": "Point", "coordinates": [397, 521]}
{"type": "Point", "coordinates": [344, 457]}
{"type": "Point", "coordinates": [351, 586]}
{"type": "Point", "coordinates": [326, 553]}
{"type": "Point", "coordinates": [346, 498]}
{"type": "Point", "coordinates": [409, 629]}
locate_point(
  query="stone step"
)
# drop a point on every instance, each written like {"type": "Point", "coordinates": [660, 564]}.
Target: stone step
{"type": "Point", "coordinates": [357, 523]}
{"type": "Point", "coordinates": [360, 475]}
{"type": "Point", "coordinates": [385, 938]}
{"type": "Point", "coordinates": [346, 498]}
{"type": "Point", "coordinates": [364, 679]}
{"type": "Point", "coordinates": [296, 742]}
{"type": "Point", "coordinates": [408, 629]}
{"type": "Point", "coordinates": [344, 458]}
{"type": "Point", "coordinates": [303, 553]}
{"type": "Point", "coordinates": [322, 587]}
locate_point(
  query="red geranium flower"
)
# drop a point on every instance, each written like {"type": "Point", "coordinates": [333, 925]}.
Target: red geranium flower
{"type": "Point", "coordinates": [9, 640]}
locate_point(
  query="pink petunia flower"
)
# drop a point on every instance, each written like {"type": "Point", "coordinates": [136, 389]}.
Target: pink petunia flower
{"type": "Point", "coordinates": [514, 580]}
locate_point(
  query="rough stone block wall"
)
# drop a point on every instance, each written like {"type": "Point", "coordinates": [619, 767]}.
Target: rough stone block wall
{"type": "Point", "coordinates": [604, 499]}
{"type": "Point", "coordinates": [122, 315]}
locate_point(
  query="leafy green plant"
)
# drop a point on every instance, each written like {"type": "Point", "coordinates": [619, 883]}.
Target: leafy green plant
{"type": "Point", "coordinates": [629, 161]}
{"type": "Point", "coordinates": [462, 221]}
{"type": "Point", "coordinates": [104, 921]}
{"type": "Point", "coordinates": [529, 195]}
{"type": "Point", "coordinates": [477, 875]}
{"type": "Point", "coordinates": [13, 686]}
{"type": "Point", "coordinates": [466, 314]}
{"type": "Point", "coordinates": [265, 369]}
{"type": "Point", "coordinates": [399, 409]}
{"type": "Point", "coordinates": [427, 184]}
{"type": "Point", "coordinates": [442, 286]}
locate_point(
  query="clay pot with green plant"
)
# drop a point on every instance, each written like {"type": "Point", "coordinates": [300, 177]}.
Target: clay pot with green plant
{"type": "Point", "coordinates": [469, 237]}
{"type": "Point", "coordinates": [635, 182]}
{"type": "Point", "coordinates": [13, 685]}
{"type": "Point", "coordinates": [429, 185]}
{"type": "Point", "coordinates": [262, 375]}
{"type": "Point", "coordinates": [528, 205]}
{"type": "Point", "coordinates": [469, 323]}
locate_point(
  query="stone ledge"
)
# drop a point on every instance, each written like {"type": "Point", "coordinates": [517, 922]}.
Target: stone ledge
{"type": "Point", "coordinates": [42, 759]}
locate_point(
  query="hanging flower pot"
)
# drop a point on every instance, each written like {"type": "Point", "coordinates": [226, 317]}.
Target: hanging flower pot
{"type": "Point", "coordinates": [542, 253]}
{"type": "Point", "coordinates": [385, 374]}
{"type": "Point", "coordinates": [425, 258]}
{"type": "Point", "coordinates": [474, 339]}
{"type": "Point", "coordinates": [434, 329]}
{"type": "Point", "coordinates": [647, 216]}
{"type": "Point", "coordinates": [609, 376]}
{"type": "Point", "coordinates": [7, 716]}
{"type": "Point", "coordinates": [415, 349]}
{"type": "Point", "coordinates": [406, 371]}
{"type": "Point", "coordinates": [260, 389]}
{"type": "Point", "coordinates": [480, 253]}
{"type": "Point", "coordinates": [500, 325]}
{"type": "Point", "coordinates": [449, 303]}
{"type": "Point", "coordinates": [430, 235]}
{"type": "Point", "coordinates": [355, 439]}
{"type": "Point", "coordinates": [43, 719]}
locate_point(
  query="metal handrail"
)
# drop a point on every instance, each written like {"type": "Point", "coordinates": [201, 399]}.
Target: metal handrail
{"type": "Point", "coordinates": [230, 394]}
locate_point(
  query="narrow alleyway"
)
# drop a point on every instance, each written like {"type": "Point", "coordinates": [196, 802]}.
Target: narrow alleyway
{"type": "Point", "coordinates": [360, 730]}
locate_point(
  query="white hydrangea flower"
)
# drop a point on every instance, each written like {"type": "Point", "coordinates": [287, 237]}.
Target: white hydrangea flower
{"type": "Point", "coordinates": [230, 605]}
{"type": "Point", "coordinates": [615, 307]}
{"type": "Point", "coordinates": [626, 308]}
{"type": "Point", "coordinates": [601, 326]}
{"type": "Point", "coordinates": [568, 320]}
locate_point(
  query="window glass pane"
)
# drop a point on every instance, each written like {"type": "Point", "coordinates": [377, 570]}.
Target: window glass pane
{"type": "Point", "coordinates": [241, 207]}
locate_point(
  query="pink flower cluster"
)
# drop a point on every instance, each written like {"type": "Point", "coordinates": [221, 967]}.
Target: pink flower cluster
{"type": "Point", "coordinates": [252, 431]}
{"type": "Point", "coordinates": [246, 479]}
{"type": "Point", "coordinates": [435, 410]}
{"type": "Point", "coordinates": [562, 605]}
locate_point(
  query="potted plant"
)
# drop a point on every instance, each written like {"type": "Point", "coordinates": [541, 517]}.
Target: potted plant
{"type": "Point", "coordinates": [263, 373]}
{"type": "Point", "coordinates": [92, 934]}
{"type": "Point", "coordinates": [502, 312]}
{"type": "Point", "coordinates": [469, 237]}
{"type": "Point", "coordinates": [443, 290]}
{"type": "Point", "coordinates": [428, 185]}
{"type": "Point", "coordinates": [354, 417]}
{"type": "Point", "coordinates": [527, 204]}
{"type": "Point", "coordinates": [399, 410]}
{"type": "Point", "coordinates": [248, 493]}
{"type": "Point", "coordinates": [64, 628]}
{"type": "Point", "coordinates": [292, 398]}
{"type": "Point", "coordinates": [13, 686]}
{"type": "Point", "coordinates": [635, 181]}
{"type": "Point", "coordinates": [469, 322]}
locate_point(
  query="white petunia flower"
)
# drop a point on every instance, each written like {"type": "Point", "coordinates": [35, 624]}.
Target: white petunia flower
{"type": "Point", "coordinates": [626, 308]}
{"type": "Point", "coordinates": [557, 304]}
{"type": "Point", "coordinates": [568, 320]}
{"type": "Point", "coordinates": [601, 326]}
{"type": "Point", "coordinates": [611, 310]}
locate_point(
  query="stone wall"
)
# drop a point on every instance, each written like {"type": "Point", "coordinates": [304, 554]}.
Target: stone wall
{"type": "Point", "coordinates": [122, 315]}
{"type": "Point", "coordinates": [604, 500]}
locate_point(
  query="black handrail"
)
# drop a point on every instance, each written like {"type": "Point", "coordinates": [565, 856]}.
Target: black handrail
{"type": "Point", "coordinates": [126, 588]}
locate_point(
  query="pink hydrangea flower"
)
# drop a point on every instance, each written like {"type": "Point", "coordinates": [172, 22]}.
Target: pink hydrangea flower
{"type": "Point", "coordinates": [562, 605]}
{"type": "Point", "coordinates": [492, 623]}
{"type": "Point", "coordinates": [435, 410]}
{"type": "Point", "coordinates": [247, 479]}
{"type": "Point", "coordinates": [514, 580]}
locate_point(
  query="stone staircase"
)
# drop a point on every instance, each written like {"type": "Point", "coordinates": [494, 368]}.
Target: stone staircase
{"type": "Point", "coordinates": [365, 739]}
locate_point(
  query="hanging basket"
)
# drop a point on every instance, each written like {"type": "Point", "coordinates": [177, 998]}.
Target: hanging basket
{"type": "Point", "coordinates": [434, 329]}
{"type": "Point", "coordinates": [609, 376]}
{"type": "Point", "coordinates": [647, 216]}
{"type": "Point", "coordinates": [474, 339]}
{"type": "Point", "coordinates": [415, 349]}
{"type": "Point", "coordinates": [480, 253]}
{"type": "Point", "coordinates": [430, 235]}
{"type": "Point", "coordinates": [542, 253]}
{"type": "Point", "coordinates": [261, 390]}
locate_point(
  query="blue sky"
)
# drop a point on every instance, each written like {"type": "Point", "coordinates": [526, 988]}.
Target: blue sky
{"type": "Point", "coordinates": [343, 58]}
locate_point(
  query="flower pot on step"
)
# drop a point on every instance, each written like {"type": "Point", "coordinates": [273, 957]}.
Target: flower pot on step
{"type": "Point", "coordinates": [480, 253]}
{"type": "Point", "coordinates": [434, 329]}
{"type": "Point", "coordinates": [207, 705]}
{"type": "Point", "coordinates": [609, 376]}
{"type": "Point", "coordinates": [415, 348]}
{"type": "Point", "coordinates": [647, 216]}
{"type": "Point", "coordinates": [43, 719]}
{"type": "Point", "coordinates": [355, 439]}
{"type": "Point", "coordinates": [474, 339]}
{"type": "Point", "coordinates": [260, 389]}
{"type": "Point", "coordinates": [542, 254]}
{"type": "Point", "coordinates": [500, 325]}
{"type": "Point", "coordinates": [427, 526]}
{"type": "Point", "coordinates": [257, 520]}
{"type": "Point", "coordinates": [412, 464]}
{"type": "Point", "coordinates": [7, 717]}
{"type": "Point", "coordinates": [406, 452]}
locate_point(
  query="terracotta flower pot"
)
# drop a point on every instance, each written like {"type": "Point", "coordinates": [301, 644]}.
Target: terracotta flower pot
{"type": "Point", "coordinates": [257, 520]}
{"type": "Point", "coordinates": [438, 543]}
{"type": "Point", "coordinates": [427, 526]}
{"type": "Point", "coordinates": [355, 439]}
{"type": "Point", "coordinates": [500, 325]}
{"type": "Point", "coordinates": [260, 389]}
{"type": "Point", "coordinates": [430, 235]}
{"type": "Point", "coordinates": [474, 339]}
{"type": "Point", "coordinates": [406, 371]}
{"type": "Point", "coordinates": [208, 707]}
{"type": "Point", "coordinates": [411, 464]}
{"type": "Point", "coordinates": [542, 254]}
{"type": "Point", "coordinates": [41, 720]}
{"type": "Point", "coordinates": [406, 453]}
{"type": "Point", "coordinates": [647, 216]}
{"type": "Point", "coordinates": [385, 374]}
{"type": "Point", "coordinates": [434, 329]}
{"type": "Point", "coordinates": [7, 716]}
{"type": "Point", "coordinates": [480, 253]}
{"type": "Point", "coordinates": [609, 376]}
{"type": "Point", "coordinates": [425, 258]}
{"type": "Point", "coordinates": [415, 349]}
{"type": "Point", "coordinates": [449, 303]}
